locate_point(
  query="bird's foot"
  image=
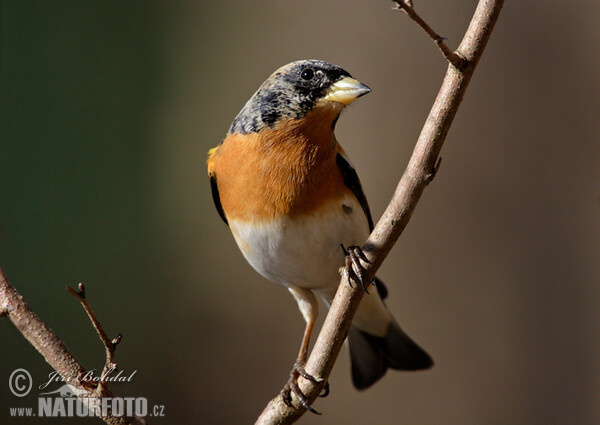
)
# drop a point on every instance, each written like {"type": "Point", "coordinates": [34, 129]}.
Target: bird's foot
{"type": "Point", "coordinates": [353, 269]}
{"type": "Point", "coordinates": [292, 386]}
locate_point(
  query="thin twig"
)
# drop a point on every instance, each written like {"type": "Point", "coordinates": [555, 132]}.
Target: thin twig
{"type": "Point", "coordinates": [406, 6]}
{"type": "Point", "coordinates": [109, 345]}
{"type": "Point", "coordinates": [421, 167]}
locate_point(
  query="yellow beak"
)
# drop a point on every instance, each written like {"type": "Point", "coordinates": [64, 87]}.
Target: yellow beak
{"type": "Point", "coordinates": [346, 90]}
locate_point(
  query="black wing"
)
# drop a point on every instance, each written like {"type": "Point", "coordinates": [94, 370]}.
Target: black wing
{"type": "Point", "coordinates": [353, 183]}
{"type": "Point", "coordinates": [216, 197]}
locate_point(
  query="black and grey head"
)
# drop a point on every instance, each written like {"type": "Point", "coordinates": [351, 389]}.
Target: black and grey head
{"type": "Point", "coordinates": [292, 91]}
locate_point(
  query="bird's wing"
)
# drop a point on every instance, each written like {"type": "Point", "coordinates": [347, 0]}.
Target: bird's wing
{"type": "Point", "coordinates": [213, 184]}
{"type": "Point", "coordinates": [353, 183]}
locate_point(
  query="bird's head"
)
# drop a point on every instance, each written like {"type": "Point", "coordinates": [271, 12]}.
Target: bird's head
{"type": "Point", "coordinates": [296, 89]}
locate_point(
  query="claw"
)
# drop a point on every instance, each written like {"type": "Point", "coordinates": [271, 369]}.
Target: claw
{"type": "Point", "coordinates": [347, 269]}
{"type": "Point", "coordinates": [357, 268]}
{"type": "Point", "coordinates": [362, 255]}
{"type": "Point", "coordinates": [325, 392]}
{"type": "Point", "coordinates": [286, 396]}
{"type": "Point", "coordinates": [299, 367]}
{"type": "Point", "coordinates": [302, 398]}
{"type": "Point", "coordinates": [292, 386]}
{"type": "Point", "coordinates": [353, 267]}
{"type": "Point", "coordinates": [344, 250]}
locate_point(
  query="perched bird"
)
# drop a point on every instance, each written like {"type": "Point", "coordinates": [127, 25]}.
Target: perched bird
{"type": "Point", "coordinates": [286, 188]}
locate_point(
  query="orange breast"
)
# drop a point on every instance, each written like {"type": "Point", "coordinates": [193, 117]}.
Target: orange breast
{"type": "Point", "coordinates": [288, 170]}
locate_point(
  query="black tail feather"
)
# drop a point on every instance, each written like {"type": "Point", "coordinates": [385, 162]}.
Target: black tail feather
{"type": "Point", "coordinates": [371, 356]}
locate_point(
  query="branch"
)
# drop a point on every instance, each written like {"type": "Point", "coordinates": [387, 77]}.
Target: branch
{"type": "Point", "coordinates": [406, 6]}
{"type": "Point", "coordinates": [109, 345]}
{"type": "Point", "coordinates": [419, 172]}
{"type": "Point", "coordinates": [54, 350]}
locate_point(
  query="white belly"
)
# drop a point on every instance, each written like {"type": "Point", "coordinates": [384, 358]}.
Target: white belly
{"type": "Point", "coordinates": [305, 251]}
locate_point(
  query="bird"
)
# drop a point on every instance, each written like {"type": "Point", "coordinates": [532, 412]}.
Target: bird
{"type": "Point", "coordinates": [297, 211]}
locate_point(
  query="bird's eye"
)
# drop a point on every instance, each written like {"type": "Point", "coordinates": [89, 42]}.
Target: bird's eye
{"type": "Point", "coordinates": [307, 74]}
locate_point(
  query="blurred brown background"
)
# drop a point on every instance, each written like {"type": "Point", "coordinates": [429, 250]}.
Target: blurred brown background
{"type": "Point", "coordinates": [108, 109]}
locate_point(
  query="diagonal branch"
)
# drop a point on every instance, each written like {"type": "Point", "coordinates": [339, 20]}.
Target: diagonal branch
{"type": "Point", "coordinates": [55, 352]}
{"type": "Point", "coordinates": [419, 172]}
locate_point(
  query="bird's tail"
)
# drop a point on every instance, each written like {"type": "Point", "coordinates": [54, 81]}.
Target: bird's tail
{"type": "Point", "coordinates": [371, 356]}
{"type": "Point", "coordinates": [377, 343]}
